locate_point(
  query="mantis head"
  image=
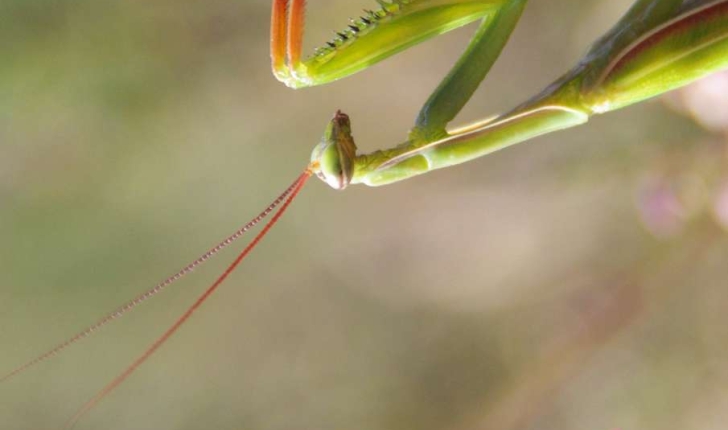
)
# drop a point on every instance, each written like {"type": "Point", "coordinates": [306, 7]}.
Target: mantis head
{"type": "Point", "coordinates": [335, 153]}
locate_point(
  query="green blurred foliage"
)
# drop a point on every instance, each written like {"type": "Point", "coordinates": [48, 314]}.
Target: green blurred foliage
{"type": "Point", "coordinates": [532, 289]}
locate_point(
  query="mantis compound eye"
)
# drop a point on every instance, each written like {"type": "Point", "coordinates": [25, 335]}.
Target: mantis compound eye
{"type": "Point", "coordinates": [336, 152]}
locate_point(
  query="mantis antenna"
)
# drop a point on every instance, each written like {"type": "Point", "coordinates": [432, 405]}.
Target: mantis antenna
{"type": "Point", "coordinates": [331, 161]}
{"type": "Point", "coordinates": [143, 297]}
{"type": "Point", "coordinates": [119, 379]}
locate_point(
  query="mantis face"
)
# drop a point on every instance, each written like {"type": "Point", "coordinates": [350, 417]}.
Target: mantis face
{"type": "Point", "coordinates": [335, 153]}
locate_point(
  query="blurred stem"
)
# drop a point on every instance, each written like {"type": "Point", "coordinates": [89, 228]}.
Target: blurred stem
{"type": "Point", "coordinates": [620, 306]}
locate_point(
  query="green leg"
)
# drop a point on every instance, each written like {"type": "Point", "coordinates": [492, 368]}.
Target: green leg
{"type": "Point", "coordinates": [377, 35]}
{"type": "Point", "coordinates": [458, 87]}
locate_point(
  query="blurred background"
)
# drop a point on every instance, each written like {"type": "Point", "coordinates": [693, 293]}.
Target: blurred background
{"type": "Point", "coordinates": [573, 282]}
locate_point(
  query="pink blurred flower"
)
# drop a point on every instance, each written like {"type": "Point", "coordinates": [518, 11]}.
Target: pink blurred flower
{"type": "Point", "coordinates": [660, 208]}
{"type": "Point", "coordinates": [720, 205]}
{"type": "Point", "coordinates": [706, 101]}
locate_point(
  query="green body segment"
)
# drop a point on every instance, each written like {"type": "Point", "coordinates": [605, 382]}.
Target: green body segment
{"type": "Point", "coordinates": [672, 55]}
{"type": "Point", "coordinates": [659, 45]}
{"type": "Point", "coordinates": [642, 17]}
{"type": "Point", "coordinates": [386, 167]}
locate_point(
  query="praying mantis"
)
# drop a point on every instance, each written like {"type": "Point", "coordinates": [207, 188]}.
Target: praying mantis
{"type": "Point", "coordinates": [657, 46]}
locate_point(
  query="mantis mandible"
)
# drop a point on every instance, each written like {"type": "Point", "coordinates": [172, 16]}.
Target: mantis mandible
{"type": "Point", "coordinates": [657, 46]}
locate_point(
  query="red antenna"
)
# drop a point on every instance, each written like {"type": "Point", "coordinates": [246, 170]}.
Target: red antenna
{"type": "Point", "coordinates": [143, 297]}
{"type": "Point", "coordinates": [119, 379]}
